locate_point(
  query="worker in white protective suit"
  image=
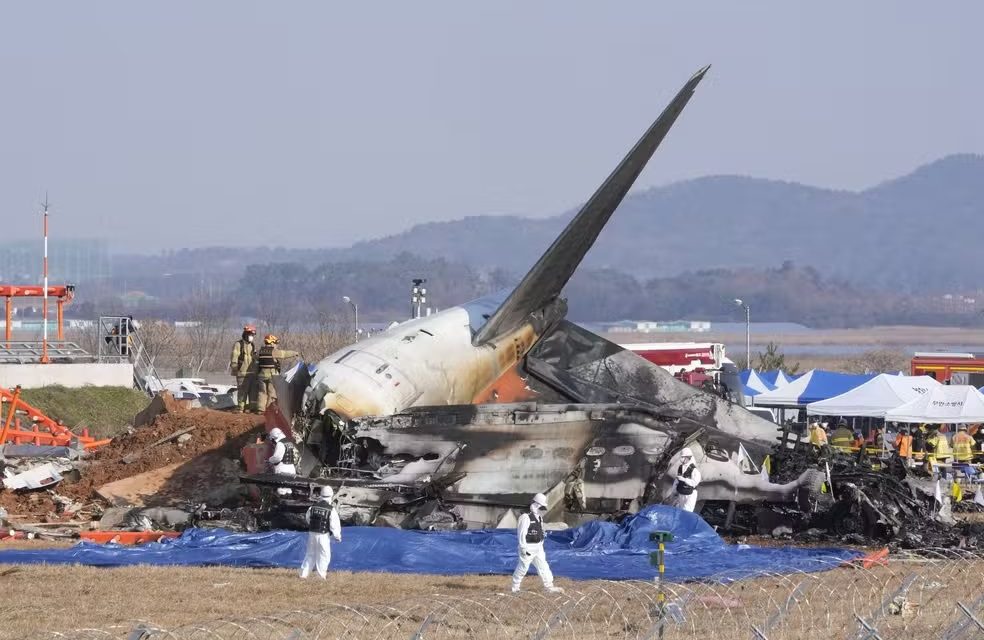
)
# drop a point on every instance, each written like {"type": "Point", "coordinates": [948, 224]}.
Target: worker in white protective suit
{"type": "Point", "coordinates": [530, 535]}
{"type": "Point", "coordinates": [322, 521]}
{"type": "Point", "coordinates": [686, 480]}
{"type": "Point", "coordinates": [284, 458]}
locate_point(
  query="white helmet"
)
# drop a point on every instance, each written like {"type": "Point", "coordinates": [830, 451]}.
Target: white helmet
{"type": "Point", "coordinates": [276, 434]}
{"type": "Point", "coordinates": [327, 492]}
{"type": "Point", "coordinates": [686, 453]}
{"type": "Point", "coordinates": [540, 499]}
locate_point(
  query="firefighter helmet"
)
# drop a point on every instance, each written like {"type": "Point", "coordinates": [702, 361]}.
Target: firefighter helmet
{"type": "Point", "coordinates": [271, 339]}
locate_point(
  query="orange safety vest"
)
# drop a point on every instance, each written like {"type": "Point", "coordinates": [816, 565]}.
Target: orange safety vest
{"type": "Point", "coordinates": [903, 443]}
{"type": "Point", "coordinates": [963, 447]}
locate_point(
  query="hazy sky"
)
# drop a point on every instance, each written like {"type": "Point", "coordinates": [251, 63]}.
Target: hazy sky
{"type": "Point", "coordinates": [318, 124]}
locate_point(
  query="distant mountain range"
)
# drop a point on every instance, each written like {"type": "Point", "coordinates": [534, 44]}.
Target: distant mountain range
{"type": "Point", "coordinates": [923, 231]}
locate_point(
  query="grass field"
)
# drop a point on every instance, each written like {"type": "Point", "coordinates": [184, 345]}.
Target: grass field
{"type": "Point", "coordinates": [218, 602]}
{"type": "Point", "coordinates": [106, 411]}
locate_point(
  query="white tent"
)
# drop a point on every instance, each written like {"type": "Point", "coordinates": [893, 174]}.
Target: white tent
{"type": "Point", "coordinates": [875, 397]}
{"type": "Point", "coordinates": [953, 404]}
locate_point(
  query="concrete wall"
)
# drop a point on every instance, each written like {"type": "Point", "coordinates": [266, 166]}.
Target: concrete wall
{"type": "Point", "coordinates": [31, 376]}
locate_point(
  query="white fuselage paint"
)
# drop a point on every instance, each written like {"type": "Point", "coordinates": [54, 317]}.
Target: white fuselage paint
{"type": "Point", "coordinates": [421, 362]}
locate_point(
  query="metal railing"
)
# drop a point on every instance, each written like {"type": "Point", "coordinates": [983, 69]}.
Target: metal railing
{"type": "Point", "coordinates": [30, 352]}
{"type": "Point", "coordinates": [119, 340]}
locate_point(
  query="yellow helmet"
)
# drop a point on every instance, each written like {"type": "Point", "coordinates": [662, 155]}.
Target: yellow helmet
{"type": "Point", "coordinates": [271, 339]}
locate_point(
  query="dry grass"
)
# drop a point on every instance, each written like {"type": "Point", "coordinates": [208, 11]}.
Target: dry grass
{"type": "Point", "coordinates": [272, 603]}
{"type": "Point", "coordinates": [90, 597]}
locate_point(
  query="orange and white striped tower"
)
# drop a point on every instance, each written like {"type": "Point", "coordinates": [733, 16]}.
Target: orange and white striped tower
{"type": "Point", "coordinates": [44, 307]}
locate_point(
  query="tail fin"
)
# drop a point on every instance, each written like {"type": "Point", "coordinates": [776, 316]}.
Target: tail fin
{"type": "Point", "coordinates": [550, 274]}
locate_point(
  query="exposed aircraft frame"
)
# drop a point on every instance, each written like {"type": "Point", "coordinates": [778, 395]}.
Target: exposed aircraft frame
{"type": "Point", "coordinates": [456, 419]}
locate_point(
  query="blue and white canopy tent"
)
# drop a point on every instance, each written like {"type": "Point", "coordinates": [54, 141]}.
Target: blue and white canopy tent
{"type": "Point", "coordinates": [812, 386]}
{"type": "Point", "coordinates": [777, 377]}
{"type": "Point", "coordinates": [754, 384]}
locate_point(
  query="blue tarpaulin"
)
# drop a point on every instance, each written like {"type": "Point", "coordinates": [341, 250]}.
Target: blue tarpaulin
{"type": "Point", "coordinates": [596, 550]}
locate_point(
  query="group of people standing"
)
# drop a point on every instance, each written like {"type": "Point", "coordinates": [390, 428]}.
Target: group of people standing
{"type": "Point", "coordinates": [923, 443]}
{"type": "Point", "coordinates": [254, 369]}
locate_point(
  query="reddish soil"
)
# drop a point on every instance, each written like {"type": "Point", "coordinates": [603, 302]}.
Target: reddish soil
{"type": "Point", "coordinates": [215, 431]}
{"type": "Point", "coordinates": [33, 504]}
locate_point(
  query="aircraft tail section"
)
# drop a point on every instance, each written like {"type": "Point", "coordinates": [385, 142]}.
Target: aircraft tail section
{"type": "Point", "coordinates": [552, 271]}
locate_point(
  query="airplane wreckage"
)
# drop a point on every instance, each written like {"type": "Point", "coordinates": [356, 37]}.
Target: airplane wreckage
{"type": "Point", "coordinates": [454, 420]}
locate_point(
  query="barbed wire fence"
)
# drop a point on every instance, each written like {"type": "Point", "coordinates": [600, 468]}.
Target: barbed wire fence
{"type": "Point", "coordinates": [936, 593]}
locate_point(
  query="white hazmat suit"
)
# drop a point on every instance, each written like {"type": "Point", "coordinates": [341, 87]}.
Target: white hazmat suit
{"type": "Point", "coordinates": [529, 534]}
{"type": "Point", "coordinates": [277, 462]}
{"type": "Point", "coordinates": [322, 520]}
{"type": "Point", "coordinates": [686, 481]}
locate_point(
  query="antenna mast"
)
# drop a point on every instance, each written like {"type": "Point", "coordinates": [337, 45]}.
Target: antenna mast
{"type": "Point", "coordinates": [44, 307]}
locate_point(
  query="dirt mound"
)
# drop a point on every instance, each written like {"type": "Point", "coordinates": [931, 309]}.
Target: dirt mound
{"type": "Point", "coordinates": [214, 432]}
{"type": "Point", "coordinates": [32, 504]}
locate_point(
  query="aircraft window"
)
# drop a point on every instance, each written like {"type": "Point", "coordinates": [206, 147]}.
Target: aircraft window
{"type": "Point", "coordinates": [347, 354]}
{"type": "Point", "coordinates": [382, 368]}
{"type": "Point", "coordinates": [595, 451]}
{"type": "Point", "coordinates": [532, 452]}
{"type": "Point", "coordinates": [430, 456]}
{"type": "Point", "coordinates": [624, 450]}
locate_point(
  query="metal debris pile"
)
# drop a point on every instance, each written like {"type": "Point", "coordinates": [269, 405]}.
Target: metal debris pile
{"type": "Point", "coordinates": [174, 455]}
{"type": "Point", "coordinates": [865, 501]}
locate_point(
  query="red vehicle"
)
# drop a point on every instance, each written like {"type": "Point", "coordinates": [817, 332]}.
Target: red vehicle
{"type": "Point", "coordinates": [699, 364]}
{"type": "Point", "coordinates": [952, 368]}
{"type": "Point", "coordinates": [679, 357]}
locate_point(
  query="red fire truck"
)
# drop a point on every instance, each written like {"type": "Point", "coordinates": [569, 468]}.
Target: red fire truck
{"type": "Point", "coordinates": [700, 364]}
{"type": "Point", "coordinates": [697, 363]}
{"type": "Point", "coordinates": [952, 368]}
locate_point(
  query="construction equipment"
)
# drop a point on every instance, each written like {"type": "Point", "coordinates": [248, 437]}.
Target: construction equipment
{"type": "Point", "coordinates": [42, 429]}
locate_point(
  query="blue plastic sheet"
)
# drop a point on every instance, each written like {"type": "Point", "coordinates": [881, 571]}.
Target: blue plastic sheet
{"type": "Point", "coordinates": [596, 550]}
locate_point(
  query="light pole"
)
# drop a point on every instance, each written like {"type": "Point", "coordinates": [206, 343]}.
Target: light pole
{"type": "Point", "coordinates": [748, 337]}
{"type": "Point", "coordinates": [355, 308]}
{"type": "Point", "coordinates": [418, 296]}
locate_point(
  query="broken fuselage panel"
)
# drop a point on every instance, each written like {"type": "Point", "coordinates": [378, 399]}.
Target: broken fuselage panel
{"type": "Point", "coordinates": [497, 455]}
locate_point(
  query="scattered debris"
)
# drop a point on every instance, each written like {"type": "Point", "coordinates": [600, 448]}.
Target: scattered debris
{"type": "Point", "coordinates": [132, 457]}
{"type": "Point", "coordinates": [868, 501]}
{"type": "Point", "coordinates": [161, 404]}
{"type": "Point", "coordinates": [37, 477]}
{"type": "Point", "coordinates": [200, 393]}
{"type": "Point", "coordinates": [218, 436]}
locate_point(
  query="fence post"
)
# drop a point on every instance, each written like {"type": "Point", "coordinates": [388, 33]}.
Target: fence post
{"type": "Point", "coordinates": [794, 595]}
{"type": "Point", "coordinates": [867, 629]}
{"type": "Point", "coordinates": [141, 632]}
{"type": "Point", "coordinates": [957, 628]}
{"type": "Point", "coordinates": [419, 633]}
{"type": "Point", "coordinates": [866, 626]}
{"type": "Point", "coordinates": [554, 619]}
{"type": "Point", "coordinates": [664, 612]}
